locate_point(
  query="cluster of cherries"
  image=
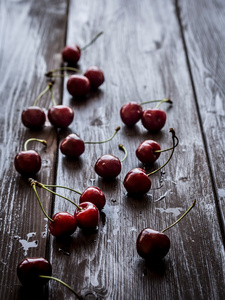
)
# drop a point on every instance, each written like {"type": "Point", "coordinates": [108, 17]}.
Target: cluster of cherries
{"type": "Point", "coordinates": [150, 244]}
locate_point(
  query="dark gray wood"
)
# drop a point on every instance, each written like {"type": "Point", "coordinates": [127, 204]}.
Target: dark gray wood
{"type": "Point", "coordinates": [31, 34]}
{"type": "Point", "coordinates": [143, 57]}
{"type": "Point", "coordinates": [203, 24]}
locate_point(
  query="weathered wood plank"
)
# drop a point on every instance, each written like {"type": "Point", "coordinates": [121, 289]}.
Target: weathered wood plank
{"type": "Point", "coordinates": [31, 32]}
{"type": "Point", "coordinates": [204, 35]}
{"type": "Point", "coordinates": [143, 57]}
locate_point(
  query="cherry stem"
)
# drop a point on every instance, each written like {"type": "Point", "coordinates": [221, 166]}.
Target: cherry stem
{"type": "Point", "coordinates": [121, 147]}
{"type": "Point", "coordinates": [50, 84]}
{"type": "Point", "coordinates": [52, 96]}
{"type": "Point", "coordinates": [193, 204]}
{"type": "Point", "coordinates": [173, 138]}
{"type": "Point", "coordinates": [92, 41]}
{"type": "Point", "coordinates": [33, 185]}
{"type": "Point", "coordinates": [160, 101]}
{"type": "Point", "coordinates": [34, 139]}
{"type": "Point", "coordinates": [64, 187]}
{"type": "Point", "coordinates": [62, 282]}
{"type": "Point", "coordinates": [41, 185]}
{"type": "Point", "coordinates": [101, 142]}
{"type": "Point", "coordinates": [171, 148]}
{"type": "Point", "coordinates": [50, 73]}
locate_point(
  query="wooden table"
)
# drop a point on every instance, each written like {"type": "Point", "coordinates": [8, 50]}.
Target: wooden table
{"type": "Point", "coordinates": [149, 50]}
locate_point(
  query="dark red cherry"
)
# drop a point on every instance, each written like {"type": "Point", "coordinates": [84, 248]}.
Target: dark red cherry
{"type": "Point", "coordinates": [72, 146]}
{"type": "Point", "coordinates": [152, 244]}
{"type": "Point", "coordinates": [95, 76]}
{"type": "Point", "coordinates": [33, 117]}
{"type": "Point", "coordinates": [130, 113]}
{"type": "Point", "coordinates": [27, 162]}
{"type": "Point", "coordinates": [78, 86]}
{"type": "Point", "coordinates": [29, 269]}
{"type": "Point", "coordinates": [94, 195]}
{"type": "Point", "coordinates": [153, 119]}
{"type": "Point", "coordinates": [146, 151]}
{"type": "Point", "coordinates": [60, 116]}
{"type": "Point", "coordinates": [88, 217]}
{"type": "Point", "coordinates": [108, 166]}
{"type": "Point", "coordinates": [71, 54]}
{"type": "Point", "coordinates": [63, 224]}
{"type": "Point", "coordinates": [136, 182]}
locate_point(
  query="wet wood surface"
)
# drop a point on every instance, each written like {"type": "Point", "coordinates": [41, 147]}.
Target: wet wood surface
{"type": "Point", "coordinates": [149, 50]}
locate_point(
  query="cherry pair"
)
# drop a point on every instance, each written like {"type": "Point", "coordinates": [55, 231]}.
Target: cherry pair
{"type": "Point", "coordinates": [137, 182]}
{"type": "Point", "coordinates": [60, 116]}
{"type": "Point", "coordinates": [36, 272]}
{"type": "Point", "coordinates": [154, 245]}
{"type": "Point", "coordinates": [86, 215]}
{"type": "Point", "coordinates": [152, 119]}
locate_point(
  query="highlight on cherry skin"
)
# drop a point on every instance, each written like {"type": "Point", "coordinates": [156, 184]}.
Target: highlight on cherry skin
{"type": "Point", "coordinates": [109, 166]}
{"type": "Point", "coordinates": [73, 146]}
{"type": "Point", "coordinates": [34, 117]}
{"type": "Point", "coordinates": [71, 54]}
{"type": "Point", "coordinates": [132, 112]}
{"type": "Point", "coordinates": [35, 272]}
{"type": "Point", "coordinates": [137, 181]}
{"type": "Point", "coordinates": [154, 245]}
{"type": "Point", "coordinates": [28, 162]}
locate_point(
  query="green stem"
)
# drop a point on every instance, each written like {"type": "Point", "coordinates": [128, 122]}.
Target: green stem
{"type": "Point", "coordinates": [42, 93]}
{"type": "Point", "coordinates": [160, 101]}
{"type": "Point", "coordinates": [62, 282]}
{"type": "Point", "coordinates": [121, 147]}
{"type": "Point", "coordinates": [193, 204]}
{"type": "Point", "coordinates": [34, 139]}
{"type": "Point", "coordinates": [171, 148]}
{"type": "Point", "coordinates": [42, 208]}
{"type": "Point", "coordinates": [45, 188]}
{"type": "Point", "coordinates": [52, 96]}
{"type": "Point", "coordinates": [92, 41]}
{"type": "Point", "coordinates": [116, 130]}
{"type": "Point", "coordinates": [64, 187]}
{"type": "Point", "coordinates": [173, 138]}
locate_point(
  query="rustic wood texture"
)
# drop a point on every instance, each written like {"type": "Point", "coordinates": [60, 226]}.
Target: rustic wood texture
{"type": "Point", "coordinates": [31, 33]}
{"type": "Point", "coordinates": [203, 25]}
{"type": "Point", "coordinates": [149, 50]}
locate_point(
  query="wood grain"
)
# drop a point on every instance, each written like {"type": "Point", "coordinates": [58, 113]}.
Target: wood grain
{"type": "Point", "coordinates": [205, 38]}
{"type": "Point", "coordinates": [143, 57]}
{"type": "Point", "coordinates": [31, 33]}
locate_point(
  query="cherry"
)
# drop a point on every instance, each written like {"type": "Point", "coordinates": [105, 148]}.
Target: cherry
{"type": "Point", "coordinates": [154, 245]}
{"type": "Point", "coordinates": [34, 117]}
{"type": "Point", "coordinates": [28, 162]}
{"type": "Point", "coordinates": [60, 116]}
{"type": "Point", "coordinates": [72, 146]}
{"type": "Point", "coordinates": [131, 112]}
{"type": "Point", "coordinates": [30, 269]}
{"type": "Point", "coordinates": [78, 86]}
{"type": "Point", "coordinates": [63, 223]}
{"type": "Point", "coordinates": [87, 216]}
{"type": "Point", "coordinates": [109, 166]}
{"type": "Point", "coordinates": [147, 151]}
{"type": "Point", "coordinates": [36, 272]}
{"type": "Point", "coordinates": [137, 182]}
{"type": "Point", "coordinates": [95, 76]}
{"type": "Point", "coordinates": [71, 54]}
{"type": "Point", "coordinates": [153, 119]}
{"type": "Point", "coordinates": [94, 195]}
